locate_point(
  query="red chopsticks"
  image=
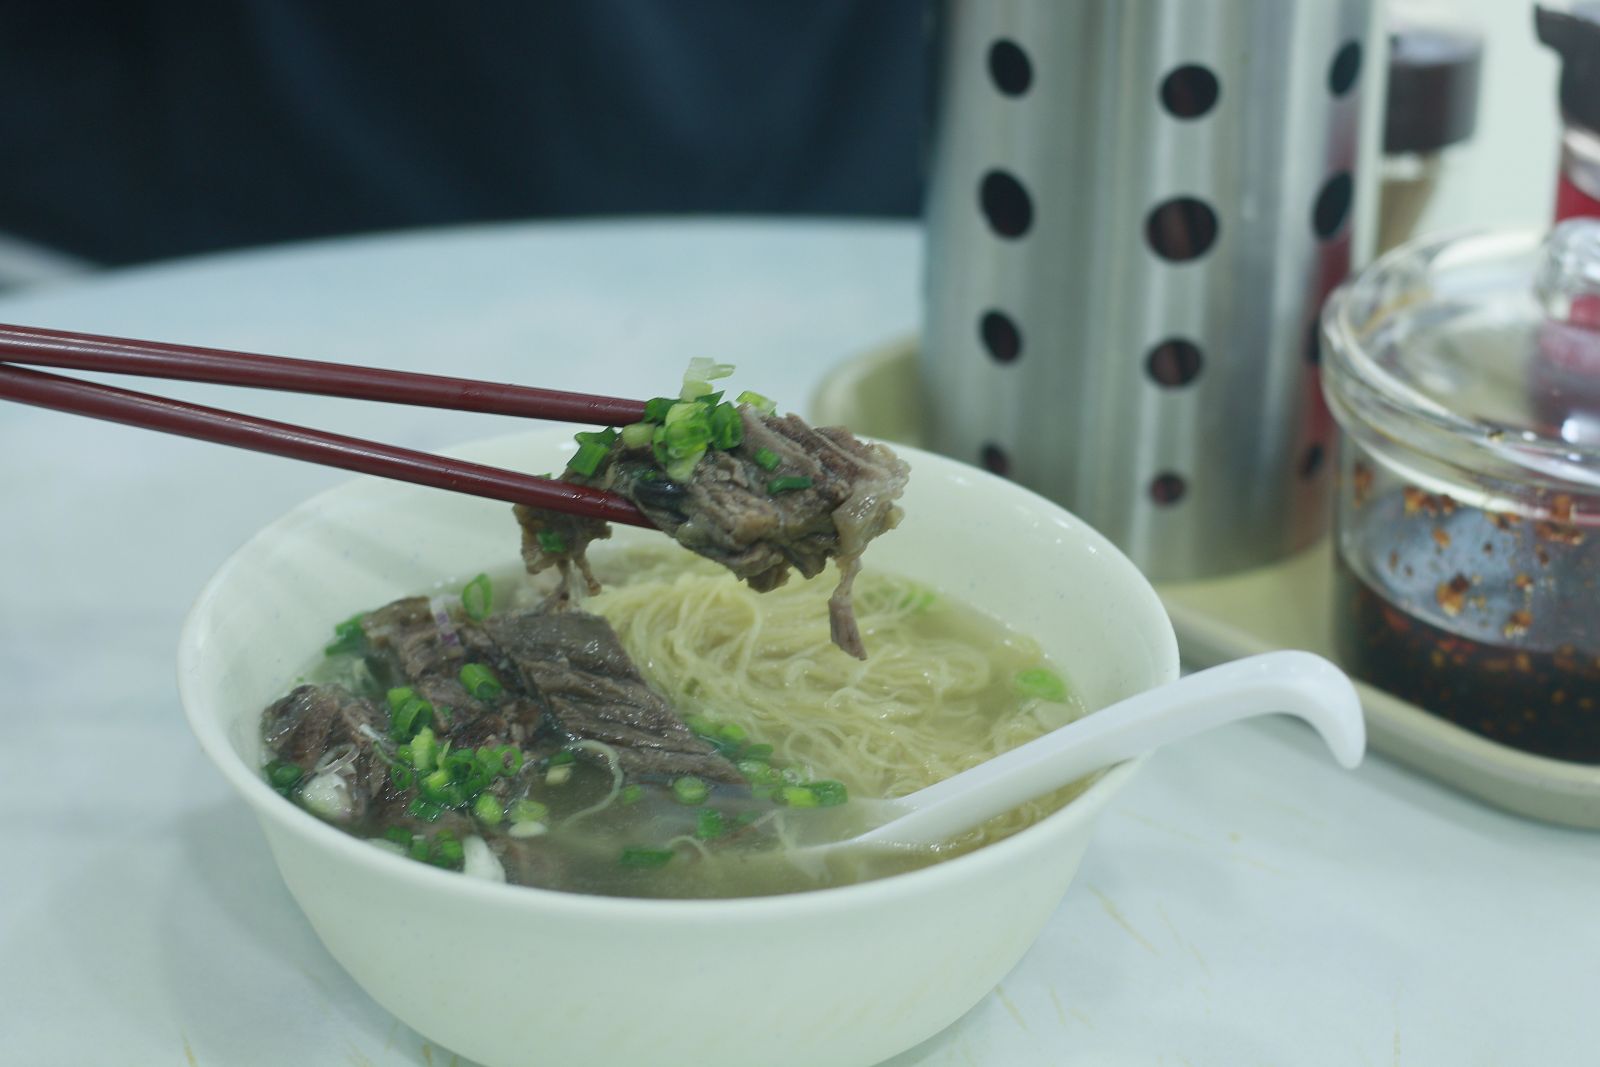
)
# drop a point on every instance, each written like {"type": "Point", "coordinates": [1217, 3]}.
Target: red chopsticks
{"type": "Point", "coordinates": [20, 344]}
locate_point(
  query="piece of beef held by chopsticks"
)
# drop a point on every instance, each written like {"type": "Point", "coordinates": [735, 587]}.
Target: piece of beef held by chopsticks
{"type": "Point", "coordinates": [757, 492]}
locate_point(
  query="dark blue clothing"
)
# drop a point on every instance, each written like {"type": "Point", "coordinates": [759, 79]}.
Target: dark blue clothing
{"type": "Point", "coordinates": [138, 129]}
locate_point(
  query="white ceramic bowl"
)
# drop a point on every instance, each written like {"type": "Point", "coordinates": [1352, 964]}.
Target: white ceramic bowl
{"type": "Point", "coordinates": [510, 975]}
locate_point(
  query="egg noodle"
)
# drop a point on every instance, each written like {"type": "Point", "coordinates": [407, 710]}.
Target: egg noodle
{"type": "Point", "coordinates": [934, 697]}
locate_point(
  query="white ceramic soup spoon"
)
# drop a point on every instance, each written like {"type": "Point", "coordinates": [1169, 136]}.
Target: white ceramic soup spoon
{"type": "Point", "coordinates": [1292, 683]}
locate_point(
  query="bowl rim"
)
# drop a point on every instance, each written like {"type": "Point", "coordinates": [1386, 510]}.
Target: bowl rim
{"type": "Point", "coordinates": [212, 734]}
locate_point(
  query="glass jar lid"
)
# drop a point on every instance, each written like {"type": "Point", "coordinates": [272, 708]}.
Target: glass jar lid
{"type": "Point", "coordinates": [1479, 353]}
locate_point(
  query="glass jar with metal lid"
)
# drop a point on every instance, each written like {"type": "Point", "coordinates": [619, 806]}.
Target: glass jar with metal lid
{"type": "Point", "coordinates": [1465, 374]}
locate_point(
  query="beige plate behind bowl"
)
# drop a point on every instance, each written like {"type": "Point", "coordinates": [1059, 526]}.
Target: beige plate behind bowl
{"type": "Point", "coordinates": [1285, 605]}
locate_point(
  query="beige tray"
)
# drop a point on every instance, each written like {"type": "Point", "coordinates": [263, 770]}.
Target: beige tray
{"type": "Point", "coordinates": [1281, 606]}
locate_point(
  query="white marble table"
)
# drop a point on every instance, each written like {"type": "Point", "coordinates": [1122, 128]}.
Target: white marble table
{"type": "Point", "coordinates": [1245, 903]}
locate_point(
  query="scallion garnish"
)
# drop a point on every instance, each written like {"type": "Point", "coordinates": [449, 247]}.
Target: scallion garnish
{"type": "Point", "coordinates": [477, 597]}
{"type": "Point", "coordinates": [487, 809]}
{"type": "Point", "coordinates": [596, 437]}
{"type": "Point", "coordinates": [503, 760]}
{"type": "Point", "coordinates": [727, 428]}
{"type": "Point", "coordinates": [282, 775]}
{"type": "Point", "coordinates": [766, 459]}
{"type": "Point", "coordinates": [798, 796]}
{"type": "Point", "coordinates": [418, 849]}
{"type": "Point", "coordinates": [638, 435]}
{"type": "Point", "coordinates": [402, 776]}
{"type": "Point", "coordinates": [551, 542]}
{"type": "Point", "coordinates": [690, 790]}
{"type": "Point", "coordinates": [701, 725]}
{"type": "Point", "coordinates": [588, 458]}
{"type": "Point", "coordinates": [757, 401]}
{"type": "Point", "coordinates": [445, 850]}
{"type": "Point", "coordinates": [529, 811]}
{"type": "Point", "coordinates": [760, 752]}
{"type": "Point", "coordinates": [564, 756]}
{"type": "Point", "coordinates": [829, 793]}
{"type": "Point", "coordinates": [788, 484]}
{"type": "Point", "coordinates": [348, 637]}
{"type": "Point", "coordinates": [399, 835]}
{"type": "Point", "coordinates": [645, 857]}
{"type": "Point", "coordinates": [631, 794]}
{"type": "Point", "coordinates": [480, 681]}
{"type": "Point", "coordinates": [656, 408]}
{"type": "Point", "coordinates": [424, 750]}
{"type": "Point", "coordinates": [1042, 683]}
{"type": "Point", "coordinates": [408, 714]}
{"type": "Point", "coordinates": [421, 808]}
{"type": "Point", "coordinates": [709, 824]}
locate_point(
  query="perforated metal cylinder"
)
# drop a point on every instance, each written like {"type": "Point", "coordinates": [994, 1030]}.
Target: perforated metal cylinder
{"type": "Point", "coordinates": [1136, 208]}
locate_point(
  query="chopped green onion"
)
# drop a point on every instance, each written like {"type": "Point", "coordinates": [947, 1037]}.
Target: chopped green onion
{"type": "Point", "coordinates": [402, 777]}
{"type": "Point", "coordinates": [701, 725]}
{"type": "Point", "coordinates": [631, 794]}
{"type": "Point", "coordinates": [758, 752]}
{"type": "Point", "coordinates": [757, 401]}
{"type": "Point", "coordinates": [439, 788]}
{"type": "Point", "coordinates": [477, 597]}
{"type": "Point", "coordinates": [727, 428]}
{"type": "Point", "coordinates": [708, 824]}
{"type": "Point", "coordinates": [348, 637]}
{"type": "Point", "coordinates": [784, 485]}
{"type": "Point", "coordinates": [283, 775]}
{"type": "Point", "coordinates": [605, 437]}
{"type": "Point", "coordinates": [656, 408]}
{"type": "Point", "coordinates": [798, 796]}
{"type": "Point", "coordinates": [638, 435]}
{"type": "Point", "coordinates": [829, 793]}
{"type": "Point", "coordinates": [693, 391]}
{"type": "Point", "coordinates": [745, 818]}
{"type": "Point", "coordinates": [503, 760]}
{"type": "Point", "coordinates": [588, 458]}
{"type": "Point", "coordinates": [645, 857]}
{"type": "Point", "coordinates": [558, 775]}
{"type": "Point", "coordinates": [753, 769]}
{"type": "Point", "coordinates": [732, 731]}
{"type": "Point", "coordinates": [790, 775]}
{"type": "Point", "coordinates": [766, 459]}
{"type": "Point", "coordinates": [707, 369]}
{"type": "Point", "coordinates": [551, 542]}
{"type": "Point", "coordinates": [445, 851]}
{"type": "Point", "coordinates": [419, 849]}
{"type": "Point", "coordinates": [529, 811]}
{"type": "Point", "coordinates": [480, 681]}
{"type": "Point", "coordinates": [408, 714]}
{"type": "Point", "coordinates": [1043, 683]}
{"type": "Point", "coordinates": [564, 756]}
{"type": "Point", "coordinates": [681, 470]}
{"type": "Point", "coordinates": [399, 835]}
{"type": "Point", "coordinates": [690, 790]}
{"type": "Point", "coordinates": [487, 809]}
{"type": "Point", "coordinates": [424, 750]}
{"type": "Point", "coordinates": [424, 809]}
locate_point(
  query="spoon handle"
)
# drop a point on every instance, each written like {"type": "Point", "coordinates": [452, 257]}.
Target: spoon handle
{"type": "Point", "coordinates": [1296, 683]}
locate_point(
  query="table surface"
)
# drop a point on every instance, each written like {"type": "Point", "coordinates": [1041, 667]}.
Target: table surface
{"type": "Point", "coordinates": [1244, 902]}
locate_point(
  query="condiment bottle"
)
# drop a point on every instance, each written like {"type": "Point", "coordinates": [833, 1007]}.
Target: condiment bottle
{"type": "Point", "coordinates": [1463, 373]}
{"type": "Point", "coordinates": [1576, 36]}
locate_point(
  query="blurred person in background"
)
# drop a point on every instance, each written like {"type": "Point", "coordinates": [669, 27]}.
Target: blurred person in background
{"type": "Point", "coordinates": [144, 129]}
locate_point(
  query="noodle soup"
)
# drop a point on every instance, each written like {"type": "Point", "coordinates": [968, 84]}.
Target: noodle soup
{"type": "Point", "coordinates": [782, 723]}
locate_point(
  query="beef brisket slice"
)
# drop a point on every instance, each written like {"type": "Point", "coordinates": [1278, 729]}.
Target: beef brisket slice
{"type": "Point", "coordinates": [591, 691]}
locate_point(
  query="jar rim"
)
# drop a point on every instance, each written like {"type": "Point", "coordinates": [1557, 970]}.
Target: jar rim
{"type": "Point", "coordinates": [1369, 399]}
